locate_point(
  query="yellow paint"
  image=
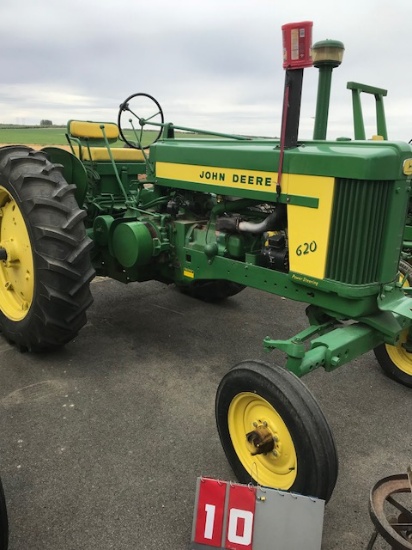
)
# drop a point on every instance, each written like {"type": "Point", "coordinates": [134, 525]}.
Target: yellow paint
{"type": "Point", "coordinates": [119, 154]}
{"type": "Point", "coordinates": [308, 228]}
{"type": "Point", "coordinates": [407, 167]}
{"type": "Point", "coordinates": [399, 356]}
{"type": "Point", "coordinates": [92, 130]}
{"type": "Point", "coordinates": [189, 273]}
{"type": "Point", "coordinates": [216, 175]}
{"type": "Point", "coordinates": [274, 469]}
{"type": "Point", "coordinates": [83, 129]}
{"type": "Point", "coordinates": [17, 272]}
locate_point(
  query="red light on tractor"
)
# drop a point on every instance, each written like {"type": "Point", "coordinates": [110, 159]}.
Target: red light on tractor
{"type": "Point", "coordinates": [297, 45]}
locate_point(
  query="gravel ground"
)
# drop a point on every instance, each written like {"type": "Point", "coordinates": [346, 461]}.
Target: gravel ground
{"type": "Point", "coordinates": [103, 440]}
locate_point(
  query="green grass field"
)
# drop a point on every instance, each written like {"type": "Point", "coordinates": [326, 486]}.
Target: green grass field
{"type": "Point", "coordinates": [56, 136]}
{"type": "Point", "coordinates": [40, 136]}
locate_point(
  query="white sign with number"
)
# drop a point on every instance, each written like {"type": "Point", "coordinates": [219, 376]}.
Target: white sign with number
{"type": "Point", "coordinates": [232, 516]}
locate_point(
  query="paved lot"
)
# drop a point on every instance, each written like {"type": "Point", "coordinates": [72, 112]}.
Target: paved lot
{"type": "Point", "coordinates": [102, 441]}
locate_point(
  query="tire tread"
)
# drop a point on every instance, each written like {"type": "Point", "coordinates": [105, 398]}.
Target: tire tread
{"type": "Point", "coordinates": [60, 249]}
{"type": "Point", "coordinates": [295, 400]}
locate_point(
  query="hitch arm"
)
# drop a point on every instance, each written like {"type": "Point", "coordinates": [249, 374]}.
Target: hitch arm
{"type": "Point", "coordinates": [330, 350]}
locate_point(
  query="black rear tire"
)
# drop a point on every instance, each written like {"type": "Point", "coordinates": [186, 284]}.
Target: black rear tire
{"type": "Point", "coordinates": [4, 522]}
{"type": "Point", "coordinates": [45, 280]}
{"type": "Point", "coordinates": [253, 396]}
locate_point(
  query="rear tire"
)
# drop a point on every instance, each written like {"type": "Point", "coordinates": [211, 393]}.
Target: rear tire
{"type": "Point", "coordinates": [4, 522]}
{"type": "Point", "coordinates": [301, 456]}
{"type": "Point", "coordinates": [45, 278]}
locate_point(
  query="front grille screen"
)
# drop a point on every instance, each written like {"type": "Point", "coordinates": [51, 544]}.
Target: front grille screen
{"type": "Point", "coordinates": [358, 222]}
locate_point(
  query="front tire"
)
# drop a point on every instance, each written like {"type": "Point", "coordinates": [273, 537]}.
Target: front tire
{"type": "Point", "coordinates": [396, 361]}
{"type": "Point", "coordinates": [45, 271]}
{"type": "Point", "coordinates": [273, 431]}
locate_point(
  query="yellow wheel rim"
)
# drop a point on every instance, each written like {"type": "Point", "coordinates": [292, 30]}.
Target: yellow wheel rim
{"type": "Point", "coordinates": [16, 272]}
{"type": "Point", "coordinates": [404, 279]}
{"type": "Point", "coordinates": [276, 468]}
{"type": "Point", "coordinates": [399, 356]}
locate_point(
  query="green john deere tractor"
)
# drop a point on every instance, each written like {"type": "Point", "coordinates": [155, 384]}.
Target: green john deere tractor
{"type": "Point", "coordinates": [317, 221]}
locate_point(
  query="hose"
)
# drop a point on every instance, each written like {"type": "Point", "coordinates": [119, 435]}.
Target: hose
{"type": "Point", "coordinates": [273, 222]}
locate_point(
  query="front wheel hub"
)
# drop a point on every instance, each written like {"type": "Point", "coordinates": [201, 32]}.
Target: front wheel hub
{"type": "Point", "coordinates": [8, 252]}
{"type": "Point", "coordinates": [407, 345]}
{"type": "Point", "coordinates": [262, 439]}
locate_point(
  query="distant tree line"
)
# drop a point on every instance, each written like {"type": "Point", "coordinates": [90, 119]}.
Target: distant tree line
{"type": "Point", "coordinates": [6, 126]}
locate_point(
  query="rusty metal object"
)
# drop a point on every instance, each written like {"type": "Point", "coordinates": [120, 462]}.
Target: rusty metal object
{"type": "Point", "coordinates": [391, 518]}
{"type": "Point", "coordinates": [262, 438]}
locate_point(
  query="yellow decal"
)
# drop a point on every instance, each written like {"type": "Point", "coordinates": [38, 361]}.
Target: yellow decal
{"type": "Point", "coordinates": [189, 273]}
{"type": "Point", "coordinates": [216, 175]}
{"type": "Point", "coordinates": [303, 279]}
{"type": "Point", "coordinates": [308, 228]}
{"type": "Point", "coordinates": [407, 167]}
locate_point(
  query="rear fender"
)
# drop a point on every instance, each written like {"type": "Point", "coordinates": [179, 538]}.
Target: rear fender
{"type": "Point", "coordinates": [74, 171]}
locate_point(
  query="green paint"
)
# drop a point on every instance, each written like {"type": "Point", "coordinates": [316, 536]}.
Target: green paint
{"type": "Point", "coordinates": [211, 209]}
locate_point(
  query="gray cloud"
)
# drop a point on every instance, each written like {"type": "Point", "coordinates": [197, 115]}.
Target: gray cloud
{"type": "Point", "coordinates": [216, 64]}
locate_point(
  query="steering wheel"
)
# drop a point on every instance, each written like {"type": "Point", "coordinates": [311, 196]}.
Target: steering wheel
{"type": "Point", "coordinates": [139, 108]}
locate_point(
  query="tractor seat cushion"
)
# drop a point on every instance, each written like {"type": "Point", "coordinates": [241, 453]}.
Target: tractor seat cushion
{"type": "Point", "coordinates": [119, 154]}
{"type": "Point", "coordinates": [89, 135]}
{"type": "Point", "coordinates": [87, 130]}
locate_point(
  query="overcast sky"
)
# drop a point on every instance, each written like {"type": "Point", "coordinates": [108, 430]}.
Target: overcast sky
{"type": "Point", "coordinates": [214, 64]}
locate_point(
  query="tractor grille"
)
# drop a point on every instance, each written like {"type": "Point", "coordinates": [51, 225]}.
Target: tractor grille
{"type": "Point", "coordinates": [359, 214]}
